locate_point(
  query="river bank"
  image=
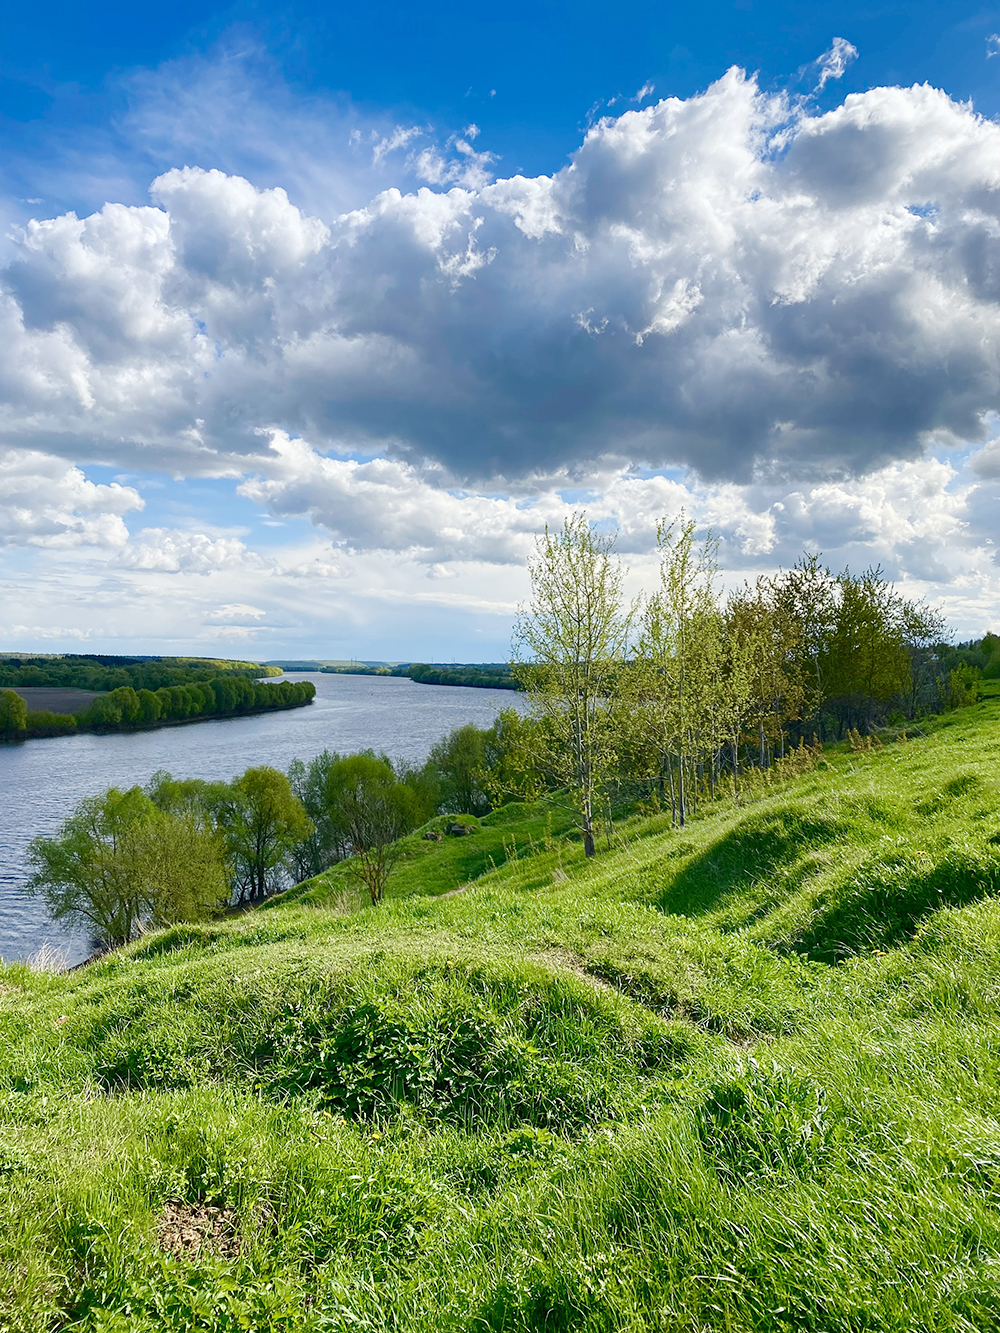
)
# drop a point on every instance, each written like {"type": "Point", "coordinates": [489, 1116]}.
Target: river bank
{"type": "Point", "coordinates": [40, 783]}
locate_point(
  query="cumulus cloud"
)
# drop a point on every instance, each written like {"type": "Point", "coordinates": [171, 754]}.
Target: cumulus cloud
{"type": "Point", "coordinates": [907, 515]}
{"type": "Point", "coordinates": [170, 551]}
{"type": "Point", "coordinates": [727, 283]}
{"type": "Point", "coordinates": [44, 502]}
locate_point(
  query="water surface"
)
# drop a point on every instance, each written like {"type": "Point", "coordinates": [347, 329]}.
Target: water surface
{"type": "Point", "coordinates": [42, 780]}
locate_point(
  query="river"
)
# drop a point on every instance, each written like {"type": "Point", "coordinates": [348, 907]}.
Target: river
{"type": "Point", "coordinates": [42, 780]}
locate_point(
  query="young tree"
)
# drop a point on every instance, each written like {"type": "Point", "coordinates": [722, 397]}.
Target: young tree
{"type": "Point", "coordinates": [373, 809]}
{"type": "Point", "coordinates": [806, 597]}
{"type": "Point", "coordinates": [923, 628]}
{"type": "Point", "coordinates": [569, 648]}
{"type": "Point", "coordinates": [745, 644]}
{"type": "Point", "coordinates": [459, 761]}
{"type": "Point", "coordinates": [866, 662]}
{"type": "Point", "coordinates": [263, 820]}
{"type": "Point", "coordinates": [326, 844]}
{"type": "Point", "coordinates": [677, 669]}
{"type": "Point", "coordinates": [180, 864]}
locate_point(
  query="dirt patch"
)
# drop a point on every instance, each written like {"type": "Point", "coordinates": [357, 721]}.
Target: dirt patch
{"type": "Point", "coordinates": [56, 698]}
{"type": "Point", "coordinates": [185, 1230]}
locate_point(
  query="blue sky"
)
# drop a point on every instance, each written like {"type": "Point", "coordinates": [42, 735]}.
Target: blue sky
{"type": "Point", "coordinates": [432, 275]}
{"type": "Point", "coordinates": [531, 76]}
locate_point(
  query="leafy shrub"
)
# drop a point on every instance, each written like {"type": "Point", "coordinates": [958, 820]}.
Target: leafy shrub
{"type": "Point", "coordinates": [457, 1047]}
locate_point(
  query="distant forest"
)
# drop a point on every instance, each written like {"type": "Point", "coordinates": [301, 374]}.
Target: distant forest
{"type": "Point", "coordinates": [85, 671]}
{"type": "Point", "coordinates": [478, 675]}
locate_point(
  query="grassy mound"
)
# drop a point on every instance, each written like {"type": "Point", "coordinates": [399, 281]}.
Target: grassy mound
{"type": "Point", "coordinates": [744, 1076]}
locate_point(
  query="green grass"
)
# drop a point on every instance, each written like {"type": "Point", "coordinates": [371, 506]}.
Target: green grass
{"type": "Point", "coordinates": [744, 1076]}
{"type": "Point", "coordinates": [430, 867]}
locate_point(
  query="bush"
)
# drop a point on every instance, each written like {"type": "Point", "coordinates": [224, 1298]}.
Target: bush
{"type": "Point", "coordinates": [40, 722]}
{"type": "Point", "coordinates": [13, 715]}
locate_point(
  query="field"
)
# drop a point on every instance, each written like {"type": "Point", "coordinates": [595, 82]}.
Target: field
{"type": "Point", "coordinates": [743, 1076]}
{"type": "Point", "coordinates": [56, 698]}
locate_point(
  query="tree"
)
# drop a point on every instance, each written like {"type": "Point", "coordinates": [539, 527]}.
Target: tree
{"type": "Point", "coordinates": [120, 864]}
{"type": "Point", "coordinates": [327, 843]}
{"type": "Point", "coordinates": [922, 630]}
{"type": "Point", "coordinates": [459, 761]}
{"type": "Point", "coordinates": [13, 715]}
{"type": "Point", "coordinates": [207, 802]}
{"type": "Point", "coordinates": [373, 809]}
{"type": "Point", "coordinates": [677, 670]}
{"type": "Point", "coordinates": [263, 820]}
{"type": "Point", "coordinates": [745, 643]}
{"type": "Point", "coordinates": [180, 865]}
{"type": "Point", "coordinates": [806, 597]}
{"type": "Point", "coordinates": [149, 706]}
{"type": "Point", "coordinates": [569, 647]}
{"type": "Point", "coordinates": [866, 662]}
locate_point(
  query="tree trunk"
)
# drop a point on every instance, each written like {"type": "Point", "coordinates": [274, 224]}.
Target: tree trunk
{"type": "Point", "coordinates": [680, 790]}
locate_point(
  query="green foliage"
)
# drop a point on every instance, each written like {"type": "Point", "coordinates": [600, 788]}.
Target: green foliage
{"type": "Point", "coordinates": [222, 696]}
{"type": "Point", "coordinates": [372, 809]}
{"type": "Point", "coordinates": [195, 691]}
{"type": "Point", "coordinates": [327, 842]}
{"type": "Point", "coordinates": [13, 715]}
{"type": "Point", "coordinates": [262, 821]}
{"type": "Point", "coordinates": [569, 644]}
{"type": "Point", "coordinates": [102, 673]}
{"type": "Point", "coordinates": [120, 864]}
{"type": "Point", "coordinates": [962, 688]}
{"type": "Point", "coordinates": [487, 676]}
{"type": "Point", "coordinates": [459, 761]}
{"type": "Point", "coordinates": [41, 722]}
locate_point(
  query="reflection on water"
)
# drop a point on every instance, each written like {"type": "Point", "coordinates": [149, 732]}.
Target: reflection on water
{"type": "Point", "coordinates": [42, 780]}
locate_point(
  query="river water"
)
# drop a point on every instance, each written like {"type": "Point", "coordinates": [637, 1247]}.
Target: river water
{"type": "Point", "coordinates": [42, 780]}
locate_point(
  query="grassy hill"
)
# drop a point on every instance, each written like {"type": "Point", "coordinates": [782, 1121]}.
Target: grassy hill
{"type": "Point", "coordinates": [738, 1077]}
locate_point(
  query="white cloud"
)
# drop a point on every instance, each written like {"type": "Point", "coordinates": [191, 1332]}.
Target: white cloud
{"type": "Point", "coordinates": [833, 64]}
{"type": "Point", "coordinates": [236, 611]}
{"type": "Point", "coordinates": [914, 517]}
{"type": "Point", "coordinates": [727, 282]}
{"type": "Point", "coordinates": [730, 303]}
{"type": "Point", "coordinates": [169, 551]}
{"type": "Point", "coordinates": [46, 502]}
{"type": "Point", "coordinates": [49, 632]}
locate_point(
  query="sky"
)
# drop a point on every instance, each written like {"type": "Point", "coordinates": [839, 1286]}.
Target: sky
{"type": "Point", "coordinates": [314, 316]}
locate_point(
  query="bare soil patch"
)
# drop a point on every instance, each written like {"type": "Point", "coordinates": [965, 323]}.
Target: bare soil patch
{"type": "Point", "coordinates": [186, 1229]}
{"type": "Point", "coordinates": [57, 698]}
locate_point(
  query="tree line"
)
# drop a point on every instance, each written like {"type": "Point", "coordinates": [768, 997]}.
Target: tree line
{"type": "Point", "coordinates": [98, 672]}
{"type": "Point", "coordinates": [686, 692]}
{"type": "Point", "coordinates": [125, 708]}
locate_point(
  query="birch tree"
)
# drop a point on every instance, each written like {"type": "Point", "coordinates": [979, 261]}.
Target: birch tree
{"type": "Point", "coordinates": [677, 669]}
{"type": "Point", "coordinates": [569, 648]}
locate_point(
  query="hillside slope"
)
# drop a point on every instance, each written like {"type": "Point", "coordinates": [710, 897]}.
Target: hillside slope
{"type": "Point", "coordinates": [738, 1077]}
